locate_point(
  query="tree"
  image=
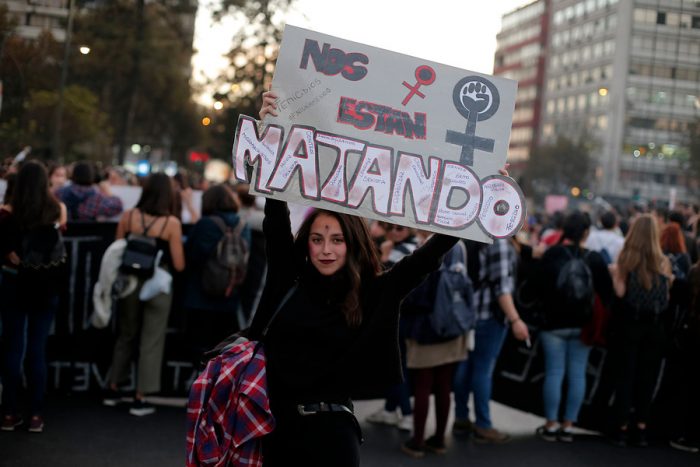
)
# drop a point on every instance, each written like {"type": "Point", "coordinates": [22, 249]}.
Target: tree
{"type": "Point", "coordinates": [555, 169]}
{"type": "Point", "coordinates": [139, 66]}
{"type": "Point", "coordinates": [85, 127]}
{"type": "Point", "coordinates": [251, 65]}
{"type": "Point", "coordinates": [25, 66]}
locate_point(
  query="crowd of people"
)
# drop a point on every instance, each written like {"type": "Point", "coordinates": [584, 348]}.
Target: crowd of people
{"type": "Point", "coordinates": [628, 280]}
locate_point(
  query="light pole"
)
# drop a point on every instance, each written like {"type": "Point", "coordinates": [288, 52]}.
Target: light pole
{"type": "Point", "coordinates": [58, 117]}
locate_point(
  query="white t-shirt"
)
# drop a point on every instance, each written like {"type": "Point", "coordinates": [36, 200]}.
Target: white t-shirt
{"type": "Point", "coordinates": [608, 240]}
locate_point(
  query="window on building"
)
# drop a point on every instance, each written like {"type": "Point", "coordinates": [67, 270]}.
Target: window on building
{"type": "Point", "coordinates": [673, 19]}
{"type": "Point", "coordinates": [696, 22]}
{"type": "Point", "coordinates": [661, 17]}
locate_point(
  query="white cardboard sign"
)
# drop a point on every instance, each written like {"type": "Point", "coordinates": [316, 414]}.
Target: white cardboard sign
{"type": "Point", "coordinates": [387, 136]}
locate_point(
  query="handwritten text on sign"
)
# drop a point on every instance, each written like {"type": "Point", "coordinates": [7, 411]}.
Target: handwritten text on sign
{"type": "Point", "coordinates": [353, 137]}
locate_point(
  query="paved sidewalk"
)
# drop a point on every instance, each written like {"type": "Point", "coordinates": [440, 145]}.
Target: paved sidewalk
{"type": "Point", "coordinates": [81, 432]}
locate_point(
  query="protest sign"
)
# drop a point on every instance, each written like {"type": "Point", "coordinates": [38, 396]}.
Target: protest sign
{"type": "Point", "coordinates": [387, 136]}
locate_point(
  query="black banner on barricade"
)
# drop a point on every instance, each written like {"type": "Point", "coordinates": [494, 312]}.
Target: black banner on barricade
{"type": "Point", "coordinates": [79, 355]}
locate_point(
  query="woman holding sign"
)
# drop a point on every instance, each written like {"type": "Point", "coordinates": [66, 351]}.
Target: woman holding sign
{"type": "Point", "coordinates": [335, 335]}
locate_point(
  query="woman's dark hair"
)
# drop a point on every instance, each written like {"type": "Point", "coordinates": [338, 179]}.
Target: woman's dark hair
{"type": "Point", "coordinates": [575, 227]}
{"type": "Point", "coordinates": [157, 198]}
{"type": "Point", "coordinates": [33, 204]}
{"type": "Point", "coordinates": [11, 180]}
{"type": "Point", "coordinates": [83, 174]}
{"type": "Point", "coordinates": [361, 260]}
{"type": "Point", "coordinates": [242, 190]}
{"type": "Point", "coordinates": [218, 198]}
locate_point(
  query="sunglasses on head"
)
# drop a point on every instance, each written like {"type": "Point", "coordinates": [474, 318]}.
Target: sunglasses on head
{"type": "Point", "coordinates": [398, 228]}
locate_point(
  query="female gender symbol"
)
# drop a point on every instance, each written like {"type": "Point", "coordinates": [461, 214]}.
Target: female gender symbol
{"type": "Point", "coordinates": [425, 76]}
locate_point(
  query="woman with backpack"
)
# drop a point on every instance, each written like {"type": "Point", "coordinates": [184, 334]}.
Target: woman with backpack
{"type": "Point", "coordinates": [151, 227]}
{"type": "Point", "coordinates": [32, 255]}
{"type": "Point", "coordinates": [642, 278]}
{"type": "Point", "coordinates": [439, 313]}
{"type": "Point", "coordinates": [212, 313]}
{"type": "Point", "coordinates": [571, 277]}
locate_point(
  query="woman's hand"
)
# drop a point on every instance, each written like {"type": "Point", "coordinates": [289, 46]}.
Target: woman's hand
{"type": "Point", "coordinates": [520, 330]}
{"type": "Point", "coordinates": [268, 105]}
{"type": "Point", "coordinates": [504, 170]}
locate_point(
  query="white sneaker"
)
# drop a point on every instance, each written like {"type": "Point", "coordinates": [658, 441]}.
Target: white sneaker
{"type": "Point", "coordinates": [384, 417]}
{"type": "Point", "coordinates": [406, 423]}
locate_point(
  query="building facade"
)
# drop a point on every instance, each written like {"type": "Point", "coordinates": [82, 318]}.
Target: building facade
{"type": "Point", "coordinates": [35, 16]}
{"type": "Point", "coordinates": [623, 77]}
{"type": "Point", "coordinates": [520, 55]}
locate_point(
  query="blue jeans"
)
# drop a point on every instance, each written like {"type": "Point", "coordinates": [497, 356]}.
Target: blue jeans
{"type": "Point", "coordinates": [564, 353]}
{"type": "Point", "coordinates": [399, 395]}
{"type": "Point", "coordinates": [475, 374]}
{"type": "Point", "coordinates": [25, 323]}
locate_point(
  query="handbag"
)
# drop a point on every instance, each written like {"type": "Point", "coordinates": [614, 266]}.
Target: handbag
{"type": "Point", "coordinates": [140, 253]}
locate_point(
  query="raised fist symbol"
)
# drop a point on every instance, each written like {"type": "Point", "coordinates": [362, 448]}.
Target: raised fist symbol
{"type": "Point", "coordinates": [475, 97]}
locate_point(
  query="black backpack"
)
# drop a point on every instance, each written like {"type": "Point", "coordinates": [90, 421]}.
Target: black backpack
{"type": "Point", "coordinates": [42, 249]}
{"type": "Point", "coordinates": [228, 264]}
{"type": "Point", "coordinates": [139, 258]}
{"type": "Point", "coordinates": [575, 283]}
{"type": "Point", "coordinates": [646, 304]}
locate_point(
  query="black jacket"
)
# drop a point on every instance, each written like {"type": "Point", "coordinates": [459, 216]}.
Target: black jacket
{"type": "Point", "coordinates": [312, 354]}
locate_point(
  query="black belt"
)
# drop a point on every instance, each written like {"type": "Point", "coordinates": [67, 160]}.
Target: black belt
{"type": "Point", "coordinates": [310, 409]}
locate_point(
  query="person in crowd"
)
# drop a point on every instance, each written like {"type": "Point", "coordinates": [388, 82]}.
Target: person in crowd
{"type": "Point", "coordinates": [493, 272]}
{"type": "Point", "coordinates": [335, 333]}
{"type": "Point", "coordinates": [58, 177]}
{"type": "Point", "coordinates": [607, 240]}
{"type": "Point", "coordinates": [568, 306]}
{"type": "Point", "coordinates": [6, 206]}
{"type": "Point", "coordinates": [255, 277]}
{"type": "Point", "coordinates": [677, 218]}
{"type": "Point", "coordinates": [184, 204]}
{"type": "Point", "coordinates": [32, 254]}
{"type": "Point", "coordinates": [399, 242]}
{"type": "Point", "coordinates": [430, 361]}
{"type": "Point", "coordinates": [685, 434]}
{"type": "Point", "coordinates": [141, 325]}
{"type": "Point", "coordinates": [84, 201]}
{"type": "Point", "coordinates": [119, 176]}
{"type": "Point", "coordinates": [642, 279]}
{"type": "Point", "coordinates": [551, 234]}
{"type": "Point", "coordinates": [210, 318]}
{"type": "Point", "coordinates": [660, 213]}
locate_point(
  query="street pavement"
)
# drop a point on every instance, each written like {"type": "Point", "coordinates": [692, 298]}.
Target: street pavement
{"type": "Point", "coordinates": [81, 432]}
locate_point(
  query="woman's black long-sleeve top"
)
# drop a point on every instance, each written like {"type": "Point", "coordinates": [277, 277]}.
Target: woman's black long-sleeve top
{"type": "Point", "coordinates": [312, 354]}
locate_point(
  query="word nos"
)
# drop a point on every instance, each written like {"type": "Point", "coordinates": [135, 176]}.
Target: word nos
{"type": "Point", "coordinates": [333, 61]}
{"type": "Point", "coordinates": [364, 115]}
{"type": "Point", "coordinates": [379, 173]}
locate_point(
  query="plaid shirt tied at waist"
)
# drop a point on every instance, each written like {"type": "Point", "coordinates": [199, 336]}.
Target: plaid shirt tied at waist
{"type": "Point", "coordinates": [228, 411]}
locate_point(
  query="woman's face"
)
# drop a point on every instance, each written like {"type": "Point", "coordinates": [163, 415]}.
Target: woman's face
{"type": "Point", "coordinates": [397, 233]}
{"type": "Point", "coordinates": [58, 178]}
{"type": "Point", "coordinates": [327, 248]}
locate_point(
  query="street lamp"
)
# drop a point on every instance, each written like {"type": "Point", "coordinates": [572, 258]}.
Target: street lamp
{"type": "Point", "coordinates": [84, 49]}
{"type": "Point", "coordinates": [58, 118]}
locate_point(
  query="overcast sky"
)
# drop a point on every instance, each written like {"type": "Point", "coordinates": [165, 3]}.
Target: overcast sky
{"type": "Point", "coordinates": [460, 33]}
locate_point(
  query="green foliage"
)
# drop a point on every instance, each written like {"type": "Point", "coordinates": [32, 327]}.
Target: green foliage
{"type": "Point", "coordinates": [85, 128]}
{"type": "Point", "coordinates": [251, 65]}
{"type": "Point", "coordinates": [139, 65]}
{"type": "Point", "coordinates": [556, 168]}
